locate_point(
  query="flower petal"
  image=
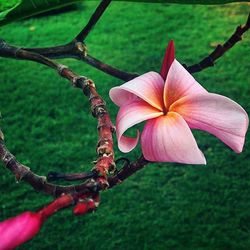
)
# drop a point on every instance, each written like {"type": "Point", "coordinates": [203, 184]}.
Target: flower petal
{"type": "Point", "coordinates": [217, 115]}
{"type": "Point", "coordinates": [148, 87]}
{"type": "Point", "coordinates": [17, 230]}
{"type": "Point", "coordinates": [169, 139]}
{"type": "Point", "coordinates": [179, 83]}
{"type": "Point", "coordinates": [168, 59]}
{"type": "Point", "coordinates": [128, 116]}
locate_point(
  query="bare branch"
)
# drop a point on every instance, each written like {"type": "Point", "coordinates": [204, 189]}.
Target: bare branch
{"type": "Point", "coordinates": [220, 49]}
{"type": "Point", "coordinates": [110, 70]}
{"type": "Point", "coordinates": [10, 51]}
{"type": "Point", "coordinates": [98, 179]}
{"type": "Point", "coordinates": [55, 176]}
{"type": "Point", "coordinates": [39, 183]}
{"type": "Point", "coordinates": [93, 20]}
{"type": "Point", "coordinates": [105, 162]}
{"type": "Point", "coordinates": [127, 170]}
{"type": "Point", "coordinates": [78, 51]}
{"type": "Point", "coordinates": [69, 50]}
{"type": "Point", "coordinates": [74, 49]}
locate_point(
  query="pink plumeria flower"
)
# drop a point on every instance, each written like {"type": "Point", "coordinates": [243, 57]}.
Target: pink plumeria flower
{"type": "Point", "coordinates": [172, 103]}
{"type": "Point", "coordinates": [17, 230]}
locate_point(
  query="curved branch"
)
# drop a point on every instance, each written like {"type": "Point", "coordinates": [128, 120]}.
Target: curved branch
{"type": "Point", "coordinates": [105, 162]}
{"type": "Point", "coordinates": [127, 170]}
{"type": "Point", "coordinates": [220, 49]}
{"type": "Point", "coordinates": [39, 183]}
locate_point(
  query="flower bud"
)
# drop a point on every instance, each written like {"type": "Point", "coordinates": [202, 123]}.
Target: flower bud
{"type": "Point", "coordinates": [17, 230]}
{"type": "Point", "coordinates": [84, 207]}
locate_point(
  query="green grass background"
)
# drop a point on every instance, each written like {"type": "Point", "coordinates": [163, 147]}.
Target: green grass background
{"type": "Point", "coordinates": [48, 126]}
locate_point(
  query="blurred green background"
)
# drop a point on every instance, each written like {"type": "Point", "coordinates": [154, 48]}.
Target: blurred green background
{"type": "Point", "coordinates": [48, 126]}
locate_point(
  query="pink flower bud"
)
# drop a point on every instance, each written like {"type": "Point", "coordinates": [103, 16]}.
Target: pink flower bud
{"type": "Point", "coordinates": [17, 230]}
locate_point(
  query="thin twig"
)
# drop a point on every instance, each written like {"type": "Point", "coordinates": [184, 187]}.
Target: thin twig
{"type": "Point", "coordinates": [55, 176]}
{"type": "Point", "coordinates": [93, 20]}
{"type": "Point", "coordinates": [127, 170]}
{"type": "Point", "coordinates": [110, 70]}
{"type": "Point", "coordinates": [220, 49]}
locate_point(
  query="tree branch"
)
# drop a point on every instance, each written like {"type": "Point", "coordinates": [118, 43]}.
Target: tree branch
{"type": "Point", "coordinates": [77, 48]}
{"type": "Point", "coordinates": [127, 170]}
{"type": "Point", "coordinates": [93, 20]}
{"type": "Point", "coordinates": [73, 49]}
{"type": "Point", "coordinates": [55, 176]}
{"type": "Point", "coordinates": [105, 162]}
{"type": "Point", "coordinates": [110, 70]}
{"type": "Point", "coordinates": [39, 183]}
{"type": "Point", "coordinates": [86, 194]}
{"type": "Point", "coordinates": [220, 49]}
{"type": "Point", "coordinates": [7, 50]}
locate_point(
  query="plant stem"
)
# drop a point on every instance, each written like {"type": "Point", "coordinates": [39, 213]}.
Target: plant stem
{"type": "Point", "coordinates": [93, 20]}
{"type": "Point", "coordinates": [220, 49]}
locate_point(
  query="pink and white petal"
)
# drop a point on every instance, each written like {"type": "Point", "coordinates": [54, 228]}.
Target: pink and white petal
{"type": "Point", "coordinates": [148, 87]}
{"type": "Point", "coordinates": [217, 115]}
{"type": "Point", "coordinates": [128, 116]}
{"type": "Point", "coordinates": [180, 83]}
{"type": "Point", "coordinates": [169, 139]}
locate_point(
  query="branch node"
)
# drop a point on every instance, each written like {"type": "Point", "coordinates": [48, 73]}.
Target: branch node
{"type": "Point", "coordinates": [1, 135]}
{"type": "Point", "coordinates": [19, 176]}
{"type": "Point", "coordinates": [103, 183]}
{"type": "Point", "coordinates": [81, 48]}
{"type": "Point", "coordinates": [16, 51]}
{"type": "Point", "coordinates": [8, 158]}
{"type": "Point", "coordinates": [90, 83]}
{"type": "Point", "coordinates": [92, 97]}
{"type": "Point", "coordinates": [60, 69]}
{"type": "Point", "coordinates": [3, 44]}
{"type": "Point", "coordinates": [80, 82]}
{"type": "Point", "coordinates": [95, 187]}
{"type": "Point", "coordinates": [99, 110]}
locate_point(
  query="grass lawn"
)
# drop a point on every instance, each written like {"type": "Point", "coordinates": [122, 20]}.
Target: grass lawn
{"type": "Point", "coordinates": [48, 126]}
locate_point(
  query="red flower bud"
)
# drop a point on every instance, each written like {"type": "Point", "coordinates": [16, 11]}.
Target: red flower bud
{"type": "Point", "coordinates": [84, 207]}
